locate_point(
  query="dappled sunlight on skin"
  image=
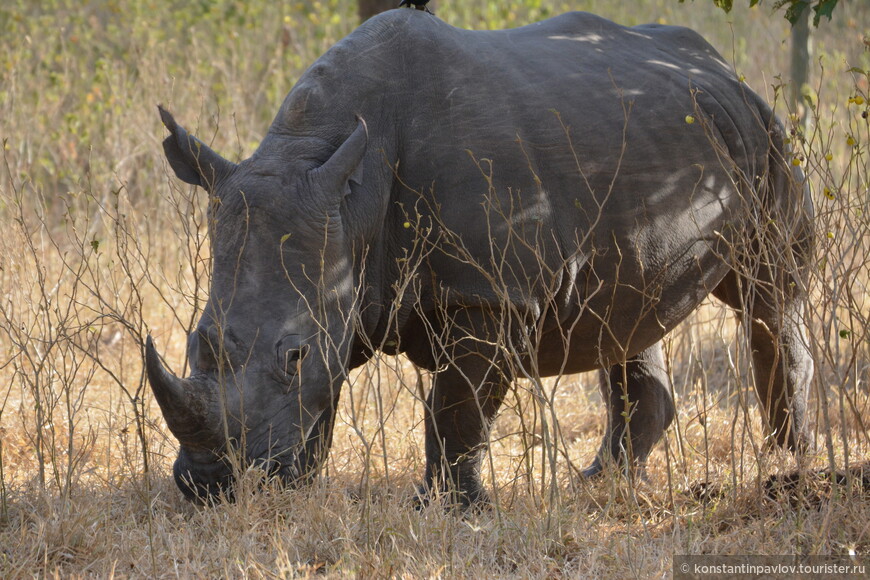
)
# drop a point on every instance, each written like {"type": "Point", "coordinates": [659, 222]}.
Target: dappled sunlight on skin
{"type": "Point", "coordinates": [590, 38]}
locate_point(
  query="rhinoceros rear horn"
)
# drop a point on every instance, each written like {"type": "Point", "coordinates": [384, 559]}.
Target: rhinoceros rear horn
{"type": "Point", "coordinates": [191, 159]}
{"type": "Point", "coordinates": [174, 397]}
{"type": "Point", "coordinates": [345, 165]}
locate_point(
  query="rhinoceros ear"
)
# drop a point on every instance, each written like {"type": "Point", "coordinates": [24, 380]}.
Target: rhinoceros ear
{"type": "Point", "coordinates": [191, 159]}
{"type": "Point", "coordinates": [345, 165]}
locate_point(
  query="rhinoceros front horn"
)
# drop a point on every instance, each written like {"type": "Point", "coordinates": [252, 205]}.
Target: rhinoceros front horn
{"type": "Point", "coordinates": [174, 397]}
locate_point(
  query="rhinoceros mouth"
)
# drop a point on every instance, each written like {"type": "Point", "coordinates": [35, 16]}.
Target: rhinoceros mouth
{"type": "Point", "coordinates": [212, 481]}
{"type": "Point", "coordinates": [203, 476]}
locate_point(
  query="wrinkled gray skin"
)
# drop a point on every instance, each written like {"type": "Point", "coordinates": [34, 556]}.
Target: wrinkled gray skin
{"type": "Point", "coordinates": [495, 205]}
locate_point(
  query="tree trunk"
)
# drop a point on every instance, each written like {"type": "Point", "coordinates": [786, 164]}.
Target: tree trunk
{"type": "Point", "coordinates": [800, 65]}
{"type": "Point", "coordinates": [368, 8]}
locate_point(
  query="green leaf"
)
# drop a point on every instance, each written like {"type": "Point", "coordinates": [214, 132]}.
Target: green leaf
{"type": "Point", "coordinates": [725, 5]}
{"type": "Point", "coordinates": [823, 8]}
{"type": "Point", "coordinates": [284, 238]}
{"type": "Point", "coordinates": [95, 244]}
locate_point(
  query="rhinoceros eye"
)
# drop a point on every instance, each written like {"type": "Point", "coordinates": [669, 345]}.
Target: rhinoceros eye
{"type": "Point", "coordinates": [290, 354]}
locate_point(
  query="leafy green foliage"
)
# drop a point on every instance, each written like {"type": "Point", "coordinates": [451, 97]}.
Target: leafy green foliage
{"type": "Point", "coordinates": [794, 9]}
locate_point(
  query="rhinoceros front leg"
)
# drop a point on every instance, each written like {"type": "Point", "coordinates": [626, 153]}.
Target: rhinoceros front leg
{"type": "Point", "coordinates": [639, 409]}
{"type": "Point", "coordinates": [465, 397]}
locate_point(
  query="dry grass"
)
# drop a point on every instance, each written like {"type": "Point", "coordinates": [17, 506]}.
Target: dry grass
{"type": "Point", "coordinates": [101, 245]}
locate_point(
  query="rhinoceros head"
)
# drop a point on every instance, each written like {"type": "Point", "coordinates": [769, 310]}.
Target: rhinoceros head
{"type": "Point", "coordinates": [271, 349]}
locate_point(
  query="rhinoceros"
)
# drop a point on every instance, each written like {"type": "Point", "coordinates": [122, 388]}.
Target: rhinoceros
{"type": "Point", "coordinates": [496, 205]}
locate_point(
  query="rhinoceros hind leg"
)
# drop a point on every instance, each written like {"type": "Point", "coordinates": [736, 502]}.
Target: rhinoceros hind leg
{"type": "Point", "coordinates": [781, 360]}
{"type": "Point", "coordinates": [639, 409]}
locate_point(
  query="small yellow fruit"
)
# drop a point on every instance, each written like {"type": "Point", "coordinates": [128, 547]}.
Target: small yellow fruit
{"type": "Point", "coordinates": [828, 193]}
{"type": "Point", "coordinates": [850, 141]}
{"type": "Point", "coordinates": [406, 225]}
{"type": "Point", "coordinates": [830, 235]}
{"type": "Point", "coordinates": [796, 161]}
{"type": "Point", "coordinates": [829, 156]}
{"type": "Point", "coordinates": [690, 119]}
